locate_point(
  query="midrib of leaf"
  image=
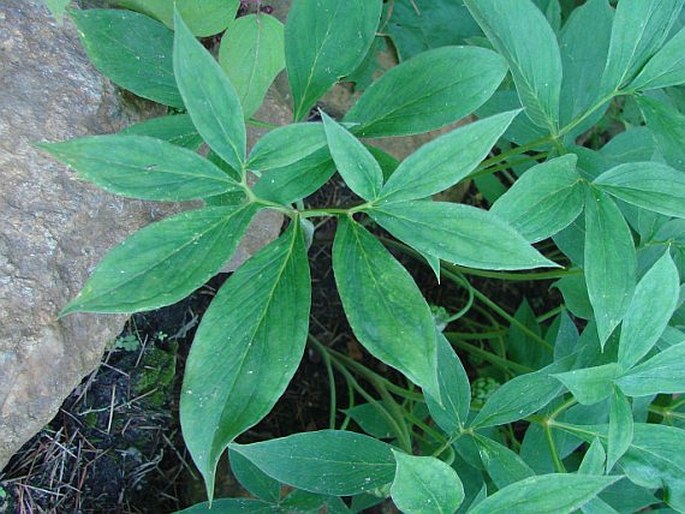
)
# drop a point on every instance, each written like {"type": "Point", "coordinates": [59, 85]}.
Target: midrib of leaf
{"type": "Point", "coordinates": [229, 390]}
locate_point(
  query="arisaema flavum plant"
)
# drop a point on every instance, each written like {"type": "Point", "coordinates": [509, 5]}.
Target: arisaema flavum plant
{"type": "Point", "coordinates": [575, 156]}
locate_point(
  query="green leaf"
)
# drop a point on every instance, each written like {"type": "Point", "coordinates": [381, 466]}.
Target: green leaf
{"type": "Point", "coordinates": [640, 28]}
{"type": "Point", "coordinates": [523, 347]}
{"type": "Point", "coordinates": [57, 9]}
{"type": "Point", "coordinates": [425, 485]}
{"type": "Point", "coordinates": [651, 307]}
{"type": "Point", "coordinates": [177, 130]}
{"type": "Point", "coordinates": [133, 50]}
{"type": "Point", "coordinates": [503, 465]}
{"type": "Point", "coordinates": [431, 90]}
{"type": "Point", "coordinates": [332, 462]}
{"type": "Point", "coordinates": [209, 97]}
{"type": "Point", "coordinates": [446, 160]}
{"type": "Point", "coordinates": [518, 398]}
{"type": "Point", "coordinates": [204, 17]}
{"type": "Point", "coordinates": [590, 385]}
{"type": "Point", "coordinates": [419, 25]}
{"type": "Point", "coordinates": [663, 373]}
{"type": "Point", "coordinates": [142, 167]}
{"type": "Point", "coordinates": [519, 31]}
{"type": "Point", "coordinates": [252, 54]}
{"type": "Point", "coordinates": [666, 68]}
{"type": "Point", "coordinates": [324, 41]}
{"type": "Point", "coordinates": [545, 494]}
{"type": "Point", "coordinates": [620, 433]}
{"type": "Point", "coordinates": [286, 145]}
{"type": "Point", "coordinates": [593, 460]}
{"type": "Point", "coordinates": [584, 44]}
{"type": "Point", "coordinates": [667, 126]}
{"type": "Point", "coordinates": [303, 502]}
{"type": "Point", "coordinates": [650, 185]}
{"type": "Point", "coordinates": [464, 235]}
{"type": "Point", "coordinates": [545, 200]}
{"type": "Point", "coordinates": [253, 479]}
{"type": "Point", "coordinates": [384, 306]}
{"type": "Point", "coordinates": [368, 418]}
{"type": "Point", "coordinates": [610, 262]}
{"type": "Point", "coordinates": [232, 506]}
{"type": "Point", "coordinates": [164, 262]}
{"type": "Point", "coordinates": [246, 350]}
{"type": "Point", "coordinates": [455, 390]}
{"type": "Point", "coordinates": [575, 294]}
{"type": "Point", "coordinates": [354, 162]}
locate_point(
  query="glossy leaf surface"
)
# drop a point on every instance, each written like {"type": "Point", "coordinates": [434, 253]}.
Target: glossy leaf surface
{"type": "Point", "coordinates": [519, 31]}
{"type": "Point", "coordinates": [252, 54]}
{"type": "Point", "coordinates": [142, 167]}
{"type": "Point", "coordinates": [425, 485]}
{"type": "Point", "coordinates": [331, 462]}
{"type": "Point", "coordinates": [545, 200]}
{"type": "Point", "coordinates": [324, 41]}
{"type": "Point", "coordinates": [209, 97]}
{"type": "Point", "coordinates": [446, 160]}
{"type": "Point", "coordinates": [429, 91]}
{"type": "Point", "coordinates": [133, 50]}
{"type": "Point", "coordinates": [460, 234]}
{"type": "Point", "coordinates": [246, 349]}
{"type": "Point", "coordinates": [384, 306]}
{"type": "Point", "coordinates": [164, 262]}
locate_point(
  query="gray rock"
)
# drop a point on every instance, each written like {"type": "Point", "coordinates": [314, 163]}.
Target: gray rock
{"type": "Point", "coordinates": [55, 228]}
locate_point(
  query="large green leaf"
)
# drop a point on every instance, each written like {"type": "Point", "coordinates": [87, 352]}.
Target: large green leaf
{"type": "Point", "coordinates": [253, 479]}
{"type": "Point", "coordinates": [286, 145]}
{"type": "Point", "coordinates": [650, 185]}
{"type": "Point", "coordinates": [419, 25]}
{"type": "Point", "coordinates": [356, 165]}
{"type": "Point", "coordinates": [640, 28]}
{"type": "Point", "coordinates": [446, 160]}
{"type": "Point", "coordinates": [460, 234]}
{"type": "Point", "coordinates": [142, 167]}
{"type": "Point", "coordinates": [519, 31]}
{"type": "Point", "coordinates": [232, 506]}
{"type": "Point", "coordinates": [666, 68]}
{"type": "Point", "coordinates": [209, 97]}
{"type": "Point", "coordinates": [433, 89]}
{"type": "Point", "coordinates": [164, 262]}
{"type": "Point", "coordinates": [425, 485]}
{"type": "Point", "coordinates": [610, 262]}
{"type": "Point", "coordinates": [652, 305]}
{"type": "Point", "coordinates": [502, 464]}
{"type": "Point", "coordinates": [663, 373]}
{"type": "Point", "coordinates": [584, 44]}
{"type": "Point", "coordinates": [133, 50]}
{"type": "Point", "coordinates": [324, 41]}
{"type": "Point", "coordinates": [204, 17]}
{"type": "Point", "coordinates": [252, 54]}
{"type": "Point", "coordinates": [620, 433]}
{"type": "Point", "coordinates": [667, 126]}
{"type": "Point", "coordinates": [385, 309]}
{"type": "Point", "coordinates": [545, 494]}
{"type": "Point", "coordinates": [590, 385]}
{"type": "Point", "coordinates": [331, 462]}
{"type": "Point", "coordinates": [246, 349]}
{"type": "Point", "coordinates": [455, 390]}
{"type": "Point", "coordinates": [545, 200]}
{"type": "Point", "coordinates": [177, 130]}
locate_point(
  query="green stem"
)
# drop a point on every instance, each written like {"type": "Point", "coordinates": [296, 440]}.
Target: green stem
{"type": "Point", "coordinates": [550, 314]}
{"type": "Point", "coordinates": [333, 407]}
{"type": "Point", "coordinates": [262, 124]}
{"type": "Point", "coordinates": [589, 112]}
{"type": "Point", "coordinates": [558, 465]}
{"type": "Point", "coordinates": [489, 357]}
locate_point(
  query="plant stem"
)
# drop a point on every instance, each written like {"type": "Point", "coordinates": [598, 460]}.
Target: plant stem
{"type": "Point", "coordinates": [558, 465]}
{"type": "Point", "coordinates": [487, 356]}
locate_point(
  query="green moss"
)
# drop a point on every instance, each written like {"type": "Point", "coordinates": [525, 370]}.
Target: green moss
{"type": "Point", "coordinates": [155, 376]}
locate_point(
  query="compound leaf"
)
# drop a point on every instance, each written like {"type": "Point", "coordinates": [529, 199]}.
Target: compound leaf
{"type": "Point", "coordinates": [519, 31]}
{"type": "Point", "coordinates": [324, 41]}
{"type": "Point", "coordinates": [252, 54]}
{"type": "Point", "coordinates": [384, 306]}
{"type": "Point", "coordinates": [610, 262]}
{"type": "Point", "coordinates": [425, 485]}
{"type": "Point", "coordinates": [429, 91]}
{"type": "Point", "coordinates": [142, 167]}
{"type": "Point", "coordinates": [666, 68]}
{"type": "Point", "coordinates": [653, 303]}
{"type": "Point", "coordinates": [164, 262]}
{"type": "Point", "coordinates": [209, 97]}
{"type": "Point", "coordinates": [590, 385]}
{"type": "Point", "coordinates": [133, 50]}
{"type": "Point", "coordinates": [460, 234]}
{"type": "Point", "coordinates": [332, 462]}
{"type": "Point", "coordinates": [246, 350]}
{"type": "Point", "coordinates": [446, 160]}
